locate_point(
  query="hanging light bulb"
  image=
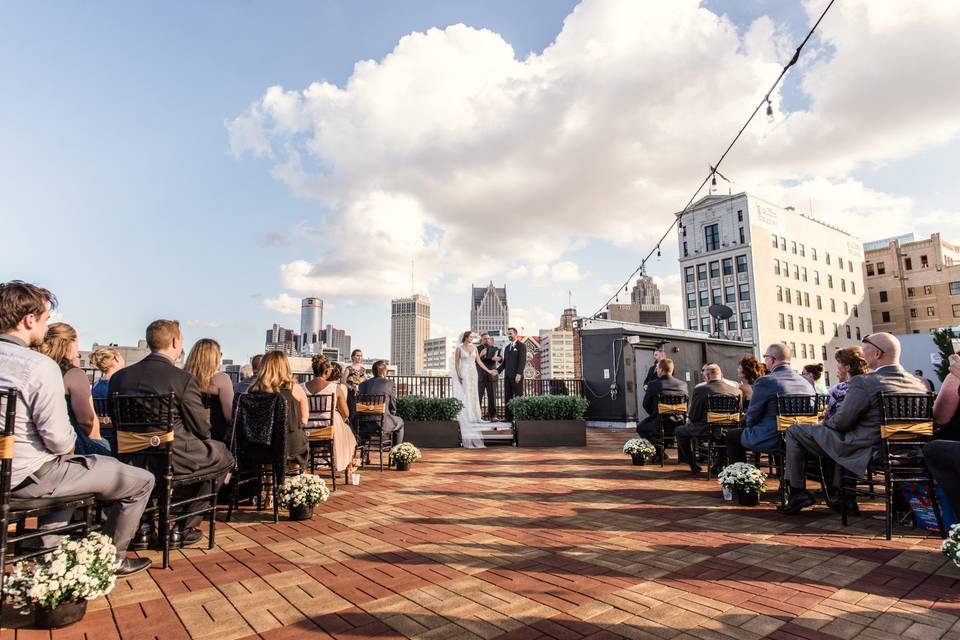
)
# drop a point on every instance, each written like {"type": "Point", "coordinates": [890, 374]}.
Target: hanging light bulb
{"type": "Point", "coordinates": [658, 251]}
{"type": "Point", "coordinates": [713, 180]}
{"type": "Point", "coordinates": [769, 110]}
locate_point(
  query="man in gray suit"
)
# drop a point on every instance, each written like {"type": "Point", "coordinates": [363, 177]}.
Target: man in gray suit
{"type": "Point", "coordinates": [698, 426]}
{"type": "Point", "coordinates": [851, 435]}
{"type": "Point", "coordinates": [379, 384]}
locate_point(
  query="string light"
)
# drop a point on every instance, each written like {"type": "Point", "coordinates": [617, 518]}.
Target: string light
{"type": "Point", "coordinates": [678, 219]}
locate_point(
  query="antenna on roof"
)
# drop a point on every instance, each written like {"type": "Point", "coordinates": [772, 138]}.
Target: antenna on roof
{"type": "Point", "coordinates": [411, 276]}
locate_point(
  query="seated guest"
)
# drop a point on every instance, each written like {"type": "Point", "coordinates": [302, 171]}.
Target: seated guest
{"type": "Point", "coordinates": [216, 389]}
{"type": "Point", "coordinates": [946, 407]}
{"type": "Point", "coordinates": [379, 384]}
{"type": "Point", "coordinates": [928, 383]}
{"type": "Point", "coordinates": [943, 460]}
{"type": "Point", "coordinates": [60, 345]}
{"type": "Point", "coordinates": [326, 382]}
{"type": "Point", "coordinates": [748, 371]}
{"type": "Point", "coordinates": [246, 381]}
{"type": "Point", "coordinates": [850, 363]}
{"type": "Point", "coordinates": [697, 413]}
{"type": "Point", "coordinates": [760, 422]}
{"type": "Point", "coordinates": [812, 374]}
{"type": "Point", "coordinates": [109, 361]}
{"type": "Point", "coordinates": [44, 462]}
{"type": "Point", "coordinates": [663, 384]}
{"type": "Point", "coordinates": [703, 376]}
{"type": "Point", "coordinates": [851, 435]}
{"type": "Point", "coordinates": [193, 448]}
{"type": "Point", "coordinates": [276, 377]}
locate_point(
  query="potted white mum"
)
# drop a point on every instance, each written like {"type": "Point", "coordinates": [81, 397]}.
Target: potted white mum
{"type": "Point", "coordinates": [403, 454]}
{"type": "Point", "coordinates": [59, 584]}
{"type": "Point", "coordinates": [951, 546]}
{"type": "Point", "coordinates": [640, 449]}
{"type": "Point", "coordinates": [300, 494]}
{"type": "Point", "coordinates": [744, 481]}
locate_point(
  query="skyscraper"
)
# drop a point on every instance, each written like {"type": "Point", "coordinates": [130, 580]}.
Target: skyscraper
{"type": "Point", "coordinates": [644, 306]}
{"type": "Point", "coordinates": [409, 329]}
{"type": "Point", "coordinates": [281, 339]}
{"type": "Point", "coordinates": [489, 311]}
{"type": "Point", "coordinates": [337, 339]}
{"type": "Point", "coordinates": [311, 325]}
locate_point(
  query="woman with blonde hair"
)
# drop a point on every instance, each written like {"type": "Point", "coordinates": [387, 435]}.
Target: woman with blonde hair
{"type": "Point", "coordinates": [326, 383]}
{"type": "Point", "coordinates": [216, 388]}
{"type": "Point", "coordinates": [60, 345]}
{"type": "Point", "coordinates": [276, 376]}
{"type": "Point", "coordinates": [108, 360]}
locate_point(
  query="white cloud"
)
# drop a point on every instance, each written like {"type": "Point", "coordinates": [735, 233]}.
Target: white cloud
{"type": "Point", "coordinates": [530, 320]}
{"type": "Point", "coordinates": [601, 135]}
{"type": "Point", "coordinates": [203, 324]}
{"type": "Point", "coordinates": [671, 294]}
{"type": "Point", "coordinates": [284, 303]}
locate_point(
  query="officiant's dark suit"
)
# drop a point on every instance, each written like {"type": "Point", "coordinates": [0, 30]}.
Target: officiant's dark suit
{"type": "Point", "coordinates": [514, 362]}
{"type": "Point", "coordinates": [485, 382]}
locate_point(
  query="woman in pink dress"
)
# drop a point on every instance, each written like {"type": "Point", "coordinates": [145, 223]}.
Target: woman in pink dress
{"type": "Point", "coordinates": [323, 383]}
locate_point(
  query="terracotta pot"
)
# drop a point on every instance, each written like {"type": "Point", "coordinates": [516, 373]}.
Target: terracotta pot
{"type": "Point", "coordinates": [301, 513]}
{"type": "Point", "coordinates": [65, 613]}
{"type": "Point", "coordinates": [638, 459]}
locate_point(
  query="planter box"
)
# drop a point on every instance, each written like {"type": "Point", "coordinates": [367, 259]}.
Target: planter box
{"type": "Point", "coordinates": [550, 433]}
{"type": "Point", "coordinates": [433, 435]}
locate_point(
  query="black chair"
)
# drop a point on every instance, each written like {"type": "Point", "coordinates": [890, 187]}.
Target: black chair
{"type": "Point", "coordinates": [15, 511]}
{"type": "Point", "coordinates": [671, 413]}
{"type": "Point", "coordinates": [371, 408]}
{"type": "Point", "coordinates": [723, 412]}
{"type": "Point", "coordinates": [906, 424]}
{"type": "Point", "coordinates": [143, 436]}
{"type": "Point", "coordinates": [259, 446]}
{"type": "Point", "coordinates": [795, 409]}
{"type": "Point", "coordinates": [320, 434]}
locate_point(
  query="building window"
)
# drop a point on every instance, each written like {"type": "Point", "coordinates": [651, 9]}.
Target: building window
{"type": "Point", "coordinates": [809, 326]}
{"type": "Point", "coordinates": [955, 288]}
{"type": "Point", "coordinates": [802, 252]}
{"type": "Point", "coordinates": [848, 331]}
{"type": "Point", "coordinates": [705, 325]}
{"type": "Point", "coordinates": [910, 292]}
{"type": "Point", "coordinates": [793, 247]}
{"type": "Point", "coordinates": [783, 320]}
{"type": "Point", "coordinates": [836, 330]}
{"type": "Point", "coordinates": [956, 311]}
{"type": "Point", "coordinates": [701, 272]}
{"type": "Point", "coordinates": [869, 269]}
{"type": "Point", "coordinates": [688, 274]}
{"type": "Point", "coordinates": [816, 277]}
{"type": "Point", "coordinates": [685, 251]}
{"type": "Point", "coordinates": [711, 235]}
{"type": "Point", "coordinates": [923, 262]}
{"type": "Point", "coordinates": [743, 238]}
{"type": "Point", "coordinates": [850, 265]}
{"type": "Point", "coordinates": [714, 269]}
{"type": "Point", "coordinates": [716, 296]}
{"type": "Point", "coordinates": [908, 264]}
{"type": "Point", "coordinates": [786, 269]}
{"type": "Point", "coordinates": [789, 296]}
{"type": "Point", "coordinates": [796, 272]}
{"type": "Point", "coordinates": [858, 333]}
{"type": "Point", "coordinates": [806, 299]}
{"type": "Point", "coordinates": [931, 312]}
{"type": "Point", "coordinates": [692, 300]}
{"type": "Point", "coordinates": [728, 266]}
{"type": "Point", "coordinates": [843, 285]}
{"type": "Point", "coordinates": [803, 350]}
{"type": "Point", "coordinates": [853, 287]}
{"type": "Point", "coordinates": [819, 302]}
{"type": "Point", "coordinates": [846, 308]}
{"type": "Point", "coordinates": [830, 281]}
{"type": "Point", "coordinates": [692, 324]}
{"type": "Point", "coordinates": [776, 267]}
{"type": "Point", "coordinates": [804, 274]}
{"type": "Point", "coordinates": [927, 290]}
{"type": "Point", "coordinates": [813, 254]}
{"type": "Point", "coordinates": [746, 320]}
{"type": "Point", "coordinates": [826, 258]}
{"type": "Point", "coordinates": [885, 316]}
{"type": "Point", "coordinates": [883, 296]}
{"type": "Point", "coordinates": [730, 294]}
{"type": "Point", "coordinates": [856, 312]}
{"type": "Point", "coordinates": [732, 323]}
{"type": "Point", "coordinates": [800, 322]}
{"type": "Point", "coordinates": [881, 268]}
{"type": "Point", "coordinates": [779, 294]}
{"type": "Point", "coordinates": [790, 323]}
{"type": "Point", "coordinates": [774, 239]}
{"type": "Point", "coordinates": [822, 328]}
{"type": "Point", "coordinates": [741, 264]}
{"type": "Point", "coordinates": [744, 291]}
{"type": "Point", "coordinates": [823, 351]}
{"type": "Point", "coordinates": [739, 215]}
{"type": "Point", "coordinates": [833, 305]}
{"type": "Point", "coordinates": [783, 244]}
{"type": "Point", "coordinates": [799, 298]}
{"type": "Point", "coordinates": [704, 298]}
{"type": "Point", "coordinates": [840, 263]}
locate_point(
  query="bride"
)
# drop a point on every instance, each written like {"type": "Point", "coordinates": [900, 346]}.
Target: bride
{"type": "Point", "coordinates": [464, 382]}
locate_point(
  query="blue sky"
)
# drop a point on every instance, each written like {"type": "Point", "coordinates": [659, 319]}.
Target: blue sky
{"type": "Point", "coordinates": [120, 192]}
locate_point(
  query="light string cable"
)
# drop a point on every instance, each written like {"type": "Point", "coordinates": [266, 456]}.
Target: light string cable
{"type": "Point", "coordinates": [678, 219]}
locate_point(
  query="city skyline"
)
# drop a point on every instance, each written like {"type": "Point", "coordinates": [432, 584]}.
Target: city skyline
{"type": "Point", "coordinates": [201, 183]}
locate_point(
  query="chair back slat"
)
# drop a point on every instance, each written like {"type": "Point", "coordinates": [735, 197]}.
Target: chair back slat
{"type": "Point", "coordinates": [101, 406]}
{"type": "Point", "coordinates": [8, 409]}
{"type": "Point", "coordinates": [320, 425]}
{"type": "Point", "coordinates": [671, 404]}
{"type": "Point", "coordinates": [797, 405]}
{"type": "Point", "coordinates": [906, 416]}
{"type": "Point", "coordinates": [143, 424]}
{"type": "Point", "coordinates": [723, 410]}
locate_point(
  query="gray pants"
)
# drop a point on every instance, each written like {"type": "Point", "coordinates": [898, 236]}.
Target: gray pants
{"type": "Point", "coordinates": [800, 444]}
{"type": "Point", "coordinates": [126, 490]}
{"type": "Point", "coordinates": [684, 434]}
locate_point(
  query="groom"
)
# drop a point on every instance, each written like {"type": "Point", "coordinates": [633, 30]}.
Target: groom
{"type": "Point", "coordinates": [514, 361]}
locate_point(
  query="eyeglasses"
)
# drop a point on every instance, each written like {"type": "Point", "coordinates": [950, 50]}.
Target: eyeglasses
{"type": "Point", "coordinates": [767, 355]}
{"type": "Point", "coordinates": [866, 339]}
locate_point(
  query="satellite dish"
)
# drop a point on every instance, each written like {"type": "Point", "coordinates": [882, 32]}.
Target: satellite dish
{"type": "Point", "coordinates": [719, 312]}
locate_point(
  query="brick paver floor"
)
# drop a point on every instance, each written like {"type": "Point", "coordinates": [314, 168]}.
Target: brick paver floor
{"type": "Point", "coordinates": [540, 543]}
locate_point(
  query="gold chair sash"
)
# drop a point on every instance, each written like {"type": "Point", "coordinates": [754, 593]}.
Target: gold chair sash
{"type": "Point", "coordinates": [905, 430]}
{"type": "Point", "coordinates": [129, 442]}
{"type": "Point", "coordinates": [720, 416]}
{"type": "Point", "coordinates": [785, 422]}
{"type": "Point", "coordinates": [368, 407]}
{"type": "Point", "coordinates": [320, 433]}
{"type": "Point", "coordinates": [6, 447]}
{"type": "Point", "coordinates": [671, 408]}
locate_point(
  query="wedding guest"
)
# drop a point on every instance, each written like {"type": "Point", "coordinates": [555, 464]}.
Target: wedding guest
{"type": "Point", "coordinates": [760, 421]}
{"type": "Point", "coordinates": [812, 374]}
{"type": "Point", "coordinates": [216, 388]}
{"type": "Point", "coordinates": [108, 360]}
{"type": "Point", "coordinates": [748, 371]}
{"type": "Point", "coordinates": [326, 383]}
{"type": "Point", "coordinates": [851, 436]}
{"type": "Point", "coordinates": [941, 458]}
{"type": "Point", "coordinates": [379, 384]}
{"type": "Point", "coordinates": [705, 379]}
{"type": "Point", "coordinates": [665, 384]}
{"type": "Point", "coordinates": [60, 345]}
{"type": "Point", "coordinates": [850, 363]}
{"type": "Point", "coordinates": [244, 384]}
{"type": "Point", "coordinates": [276, 377]}
{"type": "Point", "coordinates": [44, 464]}
{"type": "Point", "coordinates": [513, 366]}
{"type": "Point", "coordinates": [697, 414]}
{"type": "Point", "coordinates": [353, 376]}
{"type": "Point", "coordinates": [652, 371]}
{"type": "Point", "coordinates": [193, 449]}
{"type": "Point", "coordinates": [946, 407]}
{"type": "Point", "coordinates": [928, 383]}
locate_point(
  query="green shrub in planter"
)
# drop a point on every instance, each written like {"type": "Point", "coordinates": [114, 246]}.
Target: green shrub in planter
{"type": "Point", "coordinates": [548, 407]}
{"type": "Point", "coordinates": [420, 409]}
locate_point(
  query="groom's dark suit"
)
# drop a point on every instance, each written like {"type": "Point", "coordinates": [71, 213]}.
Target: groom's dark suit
{"type": "Point", "coordinates": [485, 381]}
{"type": "Point", "coordinates": [514, 362]}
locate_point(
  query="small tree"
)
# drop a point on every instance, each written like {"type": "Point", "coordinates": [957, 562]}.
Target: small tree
{"type": "Point", "coordinates": [943, 338]}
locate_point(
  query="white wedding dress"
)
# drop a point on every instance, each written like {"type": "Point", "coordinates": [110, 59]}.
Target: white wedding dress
{"type": "Point", "coordinates": [467, 393]}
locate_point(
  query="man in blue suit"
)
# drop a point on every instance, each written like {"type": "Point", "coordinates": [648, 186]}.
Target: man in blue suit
{"type": "Point", "coordinates": [760, 432]}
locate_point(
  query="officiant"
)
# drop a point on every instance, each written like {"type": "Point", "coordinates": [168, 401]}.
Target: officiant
{"type": "Point", "coordinates": [490, 356]}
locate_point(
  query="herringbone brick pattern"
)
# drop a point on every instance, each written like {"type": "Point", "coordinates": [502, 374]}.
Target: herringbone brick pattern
{"type": "Point", "coordinates": [551, 543]}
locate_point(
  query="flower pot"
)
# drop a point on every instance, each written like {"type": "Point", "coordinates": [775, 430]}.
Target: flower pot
{"type": "Point", "coordinates": [727, 493]}
{"type": "Point", "coordinates": [354, 478]}
{"type": "Point", "coordinates": [638, 459]}
{"type": "Point", "coordinates": [303, 512]}
{"type": "Point", "coordinates": [748, 499]}
{"type": "Point", "coordinates": [403, 466]}
{"type": "Point", "coordinates": [65, 613]}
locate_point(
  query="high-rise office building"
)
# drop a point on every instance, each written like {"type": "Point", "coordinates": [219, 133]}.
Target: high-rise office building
{"type": "Point", "coordinates": [489, 312]}
{"type": "Point", "coordinates": [787, 277]}
{"type": "Point", "coordinates": [311, 325]}
{"type": "Point", "coordinates": [338, 339]}
{"type": "Point", "coordinates": [556, 354]}
{"type": "Point", "coordinates": [281, 339]}
{"type": "Point", "coordinates": [644, 306]}
{"type": "Point", "coordinates": [409, 329]}
{"type": "Point", "coordinates": [437, 353]}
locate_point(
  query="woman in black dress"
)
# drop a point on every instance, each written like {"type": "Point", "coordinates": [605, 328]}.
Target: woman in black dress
{"type": "Point", "coordinates": [216, 388]}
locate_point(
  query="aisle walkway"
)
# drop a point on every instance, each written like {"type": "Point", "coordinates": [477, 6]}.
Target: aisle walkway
{"type": "Point", "coordinates": [552, 543]}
